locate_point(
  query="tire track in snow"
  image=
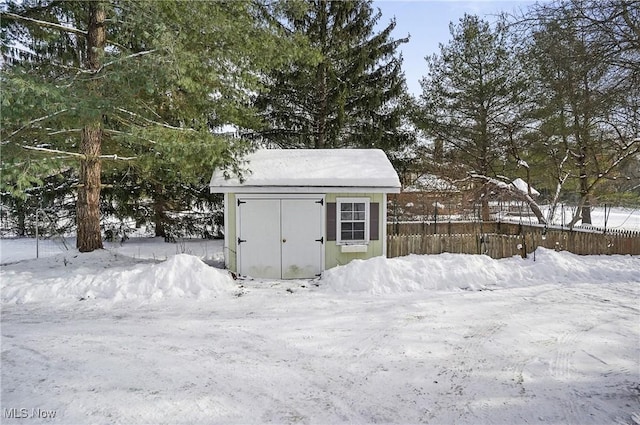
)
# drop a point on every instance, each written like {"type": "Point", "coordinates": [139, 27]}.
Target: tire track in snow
{"type": "Point", "coordinates": [562, 368]}
{"type": "Point", "coordinates": [565, 349]}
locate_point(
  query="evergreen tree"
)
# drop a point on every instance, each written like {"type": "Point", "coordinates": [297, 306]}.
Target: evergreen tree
{"type": "Point", "coordinates": [353, 96]}
{"type": "Point", "coordinates": [141, 81]}
{"type": "Point", "coordinates": [474, 101]}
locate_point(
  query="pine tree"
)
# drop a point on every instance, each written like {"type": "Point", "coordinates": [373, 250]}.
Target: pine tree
{"type": "Point", "coordinates": [90, 82]}
{"type": "Point", "coordinates": [474, 100]}
{"type": "Point", "coordinates": [352, 96]}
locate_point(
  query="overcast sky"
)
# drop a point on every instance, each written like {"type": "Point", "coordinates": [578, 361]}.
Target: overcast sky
{"type": "Point", "coordinates": [427, 21]}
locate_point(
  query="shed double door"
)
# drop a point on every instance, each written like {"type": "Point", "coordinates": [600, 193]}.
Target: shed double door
{"type": "Point", "coordinates": [280, 238]}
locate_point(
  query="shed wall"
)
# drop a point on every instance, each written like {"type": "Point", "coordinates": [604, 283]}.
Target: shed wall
{"type": "Point", "coordinates": [333, 255]}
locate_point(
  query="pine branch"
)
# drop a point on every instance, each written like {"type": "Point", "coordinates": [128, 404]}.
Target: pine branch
{"type": "Point", "coordinates": [45, 24]}
{"type": "Point", "coordinates": [113, 157]}
{"type": "Point", "coordinates": [149, 121]}
{"type": "Point", "coordinates": [37, 120]}
{"type": "Point", "coordinates": [53, 25]}
{"type": "Point", "coordinates": [56, 132]}
{"type": "Point", "coordinates": [97, 71]}
{"type": "Point", "coordinates": [74, 154]}
{"type": "Point", "coordinates": [134, 55]}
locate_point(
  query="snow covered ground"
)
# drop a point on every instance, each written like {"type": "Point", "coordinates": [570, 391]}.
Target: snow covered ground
{"type": "Point", "coordinates": [618, 218]}
{"type": "Point", "coordinates": [119, 336]}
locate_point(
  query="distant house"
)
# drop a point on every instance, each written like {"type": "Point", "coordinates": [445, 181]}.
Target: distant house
{"type": "Point", "coordinates": [523, 187]}
{"type": "Point", "coordinates": [426, 196]}
{"type": "Point", "coordinates": [505, 203]}
{"type": "Point", "coordinates": [301, 211]}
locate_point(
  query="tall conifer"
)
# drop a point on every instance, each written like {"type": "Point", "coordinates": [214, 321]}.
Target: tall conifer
{"type": "Point", "coordinates": [352, 97]}
{"type": "Point", "coordinates": [91, 85]}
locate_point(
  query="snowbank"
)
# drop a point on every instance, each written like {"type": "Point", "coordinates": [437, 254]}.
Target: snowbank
{"type": "Point", "coordinates": [103, 275]}
{"type": "Point", "coordinates": [382, 275]}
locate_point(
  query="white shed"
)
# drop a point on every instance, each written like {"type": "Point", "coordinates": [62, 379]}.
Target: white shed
{"type": "Point", "coordinates": [300, 211]}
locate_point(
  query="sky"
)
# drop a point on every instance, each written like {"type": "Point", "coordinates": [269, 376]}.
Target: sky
{"type": "Point", "coordinates": [427, 22]}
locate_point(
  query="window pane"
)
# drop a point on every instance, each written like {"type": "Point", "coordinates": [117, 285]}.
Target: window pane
{"type": "Point", "coordinates": [346, 236]}
{"type": "Point", "coordinates": [358, 206]}
{"type": "Point", "coordinates": [346, 227]}
{"type": "Point", "coordinates": [347, 215]}
{"type": "Point", "coordinates": [346, 207]}
{"type": "Point", "coordinates": [358, 235]}
{"type": "Point", "coordinates": [358, 226]}
{"type": "Point", "coordinates": [358, 215]}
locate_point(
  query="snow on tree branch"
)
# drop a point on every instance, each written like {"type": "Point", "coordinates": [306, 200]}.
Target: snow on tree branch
{"type": "Point", "coordinates": [500, 186]}
{"type": "Point", "coordinates": [79, 155]}
{"type": "Point", "coordinates": [149, 121]}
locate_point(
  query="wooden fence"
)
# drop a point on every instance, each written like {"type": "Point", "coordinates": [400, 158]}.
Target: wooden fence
{"type": "Point", "coordinates": [500, 240]}
{"type": "Point", "coordinates": [452, 228]}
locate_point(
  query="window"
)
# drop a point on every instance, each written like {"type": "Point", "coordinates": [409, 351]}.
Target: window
{"type": "Point", "coordinates": [353, 220]}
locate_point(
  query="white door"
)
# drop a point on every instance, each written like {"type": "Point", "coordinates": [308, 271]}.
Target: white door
{"type": "Point", "coordinates": [259, 238]}
{"type": "Point", "coordinates": [302, 238]}
{"type": "Point", "coordinates": [280, 238]}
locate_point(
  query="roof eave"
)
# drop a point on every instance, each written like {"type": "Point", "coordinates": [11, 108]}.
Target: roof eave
{"type": "Point", "coordinates": [304, 189]}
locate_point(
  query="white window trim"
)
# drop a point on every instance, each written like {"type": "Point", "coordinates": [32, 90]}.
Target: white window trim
{"type": "Point", "coordinates": [367, 220]}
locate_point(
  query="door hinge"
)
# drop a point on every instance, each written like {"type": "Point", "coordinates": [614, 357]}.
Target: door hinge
{"type": "Point", "coordinates": [241, 202]}
{"type": "Point", "coordinates": [321, 202]}
{"type": "Point", "coordinates": [241, 240]}
{"type": "Point", "coordinates": [321, 240]}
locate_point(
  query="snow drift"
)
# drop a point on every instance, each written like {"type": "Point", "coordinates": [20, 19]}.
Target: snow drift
{"type": "Point", "coordinates": [59, 278]}
{"type": "Point", "coordinates": [382, 275]}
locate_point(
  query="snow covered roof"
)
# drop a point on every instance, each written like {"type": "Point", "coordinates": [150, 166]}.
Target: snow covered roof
{"type": "Point", "coordinates": [312, 170]}
{"type": "Point", "coordinates": [522, 186]}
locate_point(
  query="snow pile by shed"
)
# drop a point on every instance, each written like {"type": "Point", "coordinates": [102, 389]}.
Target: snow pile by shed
{"type": "Point", "coordinates": [101, 275]}
{"type": "Point", "coordinates": [450, 272]}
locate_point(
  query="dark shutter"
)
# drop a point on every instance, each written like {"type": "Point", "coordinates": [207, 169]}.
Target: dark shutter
{"type": "Point", "coordinates": [331, 221]}
{"type": "Point", "coordinates": [374, 221]}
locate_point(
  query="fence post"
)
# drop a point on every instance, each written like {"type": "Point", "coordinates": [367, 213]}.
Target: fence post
{"type": "Point", "coordinates": [524, 245]}
{"type": "Point", "coordinates": [37, 233]}
{"type": "Point", "coordinates": [435, 218]}
{"type": "Point", "coordinates": [37, 239]}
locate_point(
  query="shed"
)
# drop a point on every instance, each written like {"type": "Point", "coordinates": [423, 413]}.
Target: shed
{"type": "Point", "coordinates": [298, 212]}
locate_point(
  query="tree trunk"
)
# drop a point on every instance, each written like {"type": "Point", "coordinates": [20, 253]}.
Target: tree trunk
{"type": "Point", "coordinates": [485, 211]}
{"type": "Point", "coordinates": [158, 222]}
{"type": "Point", "coordinates": [159, 217]}
{"type": "Point", "coordinates": [585, 213]}
{"type": "Point", "coordinates": [321, 82]}
{"type": "Point", "coordinates": [21, 212]}
{"type": "Point", "coordinates": [88, 203]}
{"type": "Point", "coordinates": [321, 116]}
